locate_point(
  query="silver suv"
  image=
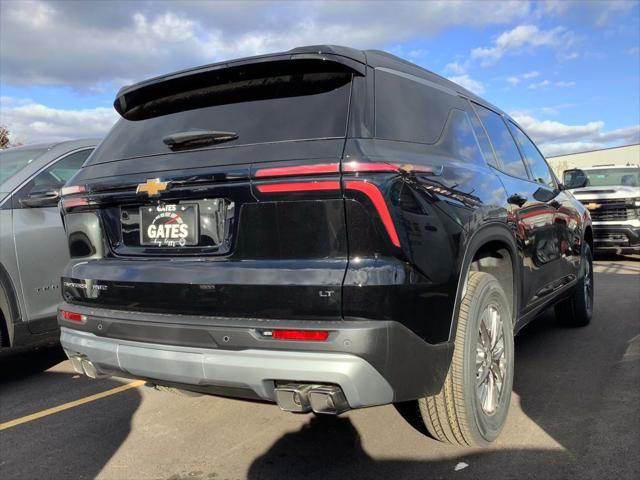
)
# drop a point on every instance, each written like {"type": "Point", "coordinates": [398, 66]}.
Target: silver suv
{"type": "Point", "coordinates": [612, 195]}
{"type": "Point", "coordinates": [33, 246]}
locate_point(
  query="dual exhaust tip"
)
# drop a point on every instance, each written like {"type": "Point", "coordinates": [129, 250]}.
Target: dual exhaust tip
{"type": "Point", "coordinates": [303, 398]}
{"type": "Point", "coordinates": [83, 365]}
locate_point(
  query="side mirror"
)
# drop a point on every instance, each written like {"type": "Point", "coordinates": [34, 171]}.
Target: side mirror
{"type": "Point", "coordinates": [574, 178]}
{"type": "Point", "coordinates": [41, 198]}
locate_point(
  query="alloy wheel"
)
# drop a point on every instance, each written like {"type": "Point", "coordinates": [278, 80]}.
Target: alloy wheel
{"type": "Point", "coordinates": [491, 365]}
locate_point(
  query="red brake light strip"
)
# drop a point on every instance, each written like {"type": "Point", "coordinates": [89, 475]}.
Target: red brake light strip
{"type": "Point", "coordinates": [371, 191]}
{"type": "Point", "coordinates": [298, 170]}
{"type": "Point", "coordinates": [73, 316]}
{"type": "Point", "coordinates": [304, 335]}
{"type": "Point", "coordinates": [298, 186]}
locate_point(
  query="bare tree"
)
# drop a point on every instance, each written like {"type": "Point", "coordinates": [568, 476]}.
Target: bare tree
{"type": "Point", "coordinates": [5, 141]}
{"type": "Point", "coordinates": [4, 137]}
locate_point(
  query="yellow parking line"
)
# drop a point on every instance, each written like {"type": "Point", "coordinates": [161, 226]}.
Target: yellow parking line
{"type": "Point", "coordinates": [67, 406]}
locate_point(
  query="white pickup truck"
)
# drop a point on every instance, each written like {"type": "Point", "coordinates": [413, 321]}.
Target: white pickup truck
{"type": "Point", "coordinates": [612, 195]}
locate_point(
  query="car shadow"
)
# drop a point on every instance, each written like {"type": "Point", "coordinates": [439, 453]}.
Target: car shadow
{"type": "Point", "coordinates": [331, 448]}
{"type": "Point", "coordinates": [17, 364]}
{"type": "Point", "coordinates": [580, 385]}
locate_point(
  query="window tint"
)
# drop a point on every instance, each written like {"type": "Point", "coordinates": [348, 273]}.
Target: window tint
{"type": "Point", "coordinates": [292, 105]}
{"type": "Point", "coordinates": [407, 110]}
{"type": "Point", "coordinates": [459, 139]}
{"type": "Point", "coordinates": [483, 140]}
{"type": "Point", "coordinates": [503, 143]}
{"type": "Point", "coordinates": [537, 164]}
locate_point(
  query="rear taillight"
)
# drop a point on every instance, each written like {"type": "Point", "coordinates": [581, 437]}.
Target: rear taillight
{"type": "Point", "coordinates": [298, 187]}
{"type": "Point", "coordinates": [371, 191]}
{"type": "Point", "coordinates": [69, 203]}
{"type": "Point", "coordinates": [73, 189]}
{"type": "Point", "coordinates": [301, 335]}
{"type": "Point", "coordinates": [347, 167]}
{"type": "Point", "coordinates": [298, 170]}
{"type": "Point", "coordinates": [73, 316]}
{"type": "Point", "coordinates": [351, 182]}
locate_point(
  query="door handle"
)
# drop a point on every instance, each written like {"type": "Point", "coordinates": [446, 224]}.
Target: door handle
{"type": "Point", "coordinates": [517, 199]}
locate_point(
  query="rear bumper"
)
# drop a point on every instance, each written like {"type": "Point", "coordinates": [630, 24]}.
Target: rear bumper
{"type": "Point", "coordinates": [607, 236]}
{"type": "Point", "coordinates": [374, 362]}
{"type": "Point", "coordinates": [254, 370]}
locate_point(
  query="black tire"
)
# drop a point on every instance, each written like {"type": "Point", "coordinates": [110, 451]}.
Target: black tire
{"type": "Point", "coordinates": [456, 414]}
{"type": "Point", "coordinates": [577, 310]}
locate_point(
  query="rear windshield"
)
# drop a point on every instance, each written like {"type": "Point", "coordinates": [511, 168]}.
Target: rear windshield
{"type": "Point", "coordinates": [12, 161]}
{"type": "Point", "coordinates": [293, 105]}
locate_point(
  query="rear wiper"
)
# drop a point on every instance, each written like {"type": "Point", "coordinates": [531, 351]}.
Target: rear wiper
{"type": "Point", "coordinates": [197, 138]}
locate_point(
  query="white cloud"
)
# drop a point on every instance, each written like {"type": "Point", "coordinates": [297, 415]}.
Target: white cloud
{"type": "Point", "coordinates": [35, 123]}
{"type": "Point", "coordinates": [513, 80]}
{"type": "Point", "coordinates": [596, 12]}
{"type": "Point", "coordinates": [543, 83]}
{"type": "Point", "coordinates": [469, 83]}
{"type": "Point", "coordinates": [455, 68]}
{"type": "Point", "coordinates": [546, 83]}
{"type": "Point", "coordinates": [116, 42]}
{"type": "Point", "coordinates": [568, 55]}
{"type": "Point", "coordinates": [520, 38]}
{"type": "Point", "coordinates": [556, 138]}
{"type": "Point", "coordinates": [516, 79]}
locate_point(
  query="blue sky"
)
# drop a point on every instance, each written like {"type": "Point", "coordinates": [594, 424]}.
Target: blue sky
{"type": "Point", "coordinates": [568, 71]}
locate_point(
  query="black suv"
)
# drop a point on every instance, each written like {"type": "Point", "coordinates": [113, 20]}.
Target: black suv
{"type": "Point", "coordinates": [325, 228]}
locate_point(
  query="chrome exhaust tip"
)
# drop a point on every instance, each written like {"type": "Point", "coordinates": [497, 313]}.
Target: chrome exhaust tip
{"type": "Point", "coordinates": [76, 363]}
{"type": "Point", "coordinates": [329, 400]}
{"type": "Point", "coordinates": [91, 371]}
{"type": "Point", "coordinates": [294, 397]}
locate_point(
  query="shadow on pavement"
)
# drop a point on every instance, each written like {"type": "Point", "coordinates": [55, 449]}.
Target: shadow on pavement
{"type": "Point", "coordinates": [22, 363]}
{"type": "Point", "coordinates": [330, 448]}
{"type": "Point", "coordinates": [579, 385]}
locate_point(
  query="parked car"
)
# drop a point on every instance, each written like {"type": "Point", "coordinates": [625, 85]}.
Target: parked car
{"type": "Point", "coordinates": [33, 245]}
{"type": "Point", "coordinates": [324, 228]}
{"type": "Point", "coordinates": [612, 194]}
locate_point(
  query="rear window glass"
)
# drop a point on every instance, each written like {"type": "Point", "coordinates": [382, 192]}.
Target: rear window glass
{"type": "Point", "coordinates": [409, 111]}
{"type": "Point", "coordinates": [279, 107]}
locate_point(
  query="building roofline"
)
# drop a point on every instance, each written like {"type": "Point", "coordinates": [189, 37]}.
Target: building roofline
{"type": "Point", "coordinates": [594, 150]}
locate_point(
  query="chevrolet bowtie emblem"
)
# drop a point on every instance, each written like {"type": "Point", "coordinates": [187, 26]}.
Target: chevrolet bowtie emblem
{"type": "Point", "coordinates": [152, 187]}
{"type": "Point", "coordinates": [593, 206]}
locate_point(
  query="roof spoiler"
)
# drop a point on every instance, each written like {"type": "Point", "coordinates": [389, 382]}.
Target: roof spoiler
{"type": "Point", "coordinates": [132, 96]}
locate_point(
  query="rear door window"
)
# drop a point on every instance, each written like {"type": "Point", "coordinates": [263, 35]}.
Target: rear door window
{"type": "Point", "coordinates": [505, 147]}
{"type": "Point", "coordinates": [308, 102]}
{"type": "Point", "coordinates": [483, 140]}
{"type": "Point", "coordinates": [459, 138]}
{"type": "Point", "coordinates": [537, 164]}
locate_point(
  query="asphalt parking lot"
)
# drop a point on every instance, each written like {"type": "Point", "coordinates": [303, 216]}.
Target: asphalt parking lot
{"type": "Point", "coordinates": [575, 413]}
